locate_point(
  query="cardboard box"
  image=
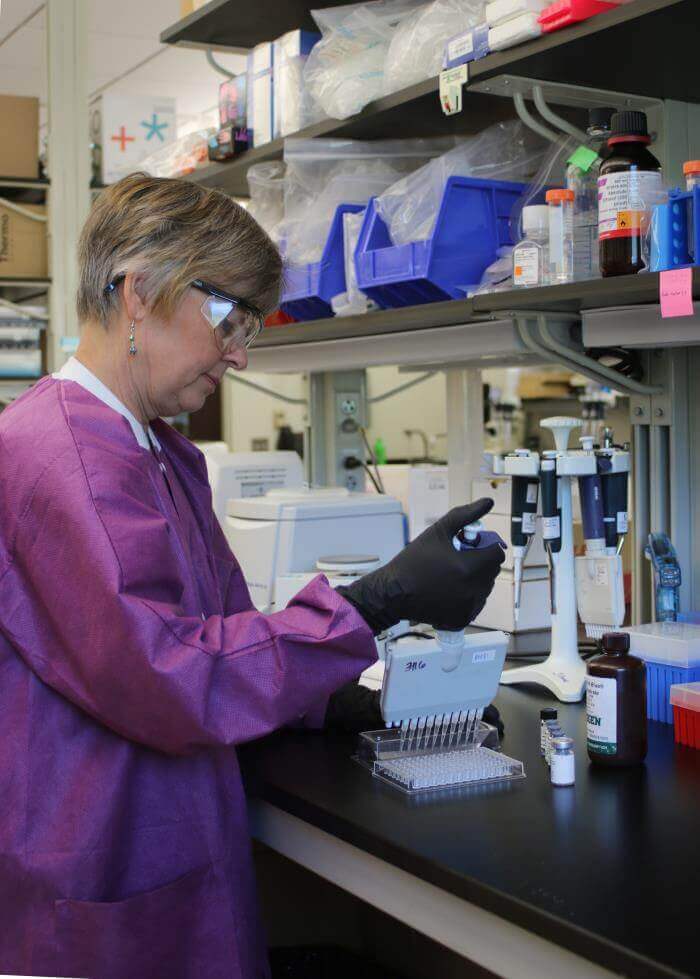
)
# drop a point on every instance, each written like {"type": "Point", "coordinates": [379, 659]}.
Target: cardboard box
{"type": "Point", "coordinates": [19, 146]}
{"type": "Point", "coordinates": [23, 247]}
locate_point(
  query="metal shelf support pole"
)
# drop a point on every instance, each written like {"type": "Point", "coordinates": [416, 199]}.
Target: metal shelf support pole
{"type": "Point", "coordinates": [69, 162]}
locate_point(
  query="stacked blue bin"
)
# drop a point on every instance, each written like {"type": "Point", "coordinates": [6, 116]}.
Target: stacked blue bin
{"type": "Point", "coordinates": [675, 231]}
{"type": "Point", "coordinates": [309, 288]}
{"type": "Point", "coordinates": [473, 222]}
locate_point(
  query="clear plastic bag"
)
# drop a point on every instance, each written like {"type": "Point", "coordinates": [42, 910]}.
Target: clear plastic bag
{"type": "Point", "coordinates": [505, 151]}
{"type": "Point", "coordinates": [266, 185]}
{"type": "Point", "coordinates": [353, 301]}
{"type": "Point", "coordinates": [345, 70]}
{"type": "Point", "coordinates": [417, 46]}
{"type": "Point", "coordinates": [323, 173]}
{"type": "Point", "coordinates": [499, 275]}
{"type": "Point", "coordinates": [177, 158]}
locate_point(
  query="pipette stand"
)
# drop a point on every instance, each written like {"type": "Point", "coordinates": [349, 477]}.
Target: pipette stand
{"type": "Point", "coordinates": [563, 673]}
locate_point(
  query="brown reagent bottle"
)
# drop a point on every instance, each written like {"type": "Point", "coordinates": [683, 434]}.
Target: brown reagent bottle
{"type": "Point", "coordinates": [616, 700]}
{"type": "Point", "coordinates": [629, 183]}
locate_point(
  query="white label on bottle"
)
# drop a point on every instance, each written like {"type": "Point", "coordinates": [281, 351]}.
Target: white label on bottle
{"type": "Point", "coordinates": [532, 492]}
{"type": "Point", "coordinates": [625, 201]}
{"type": "Point", "coordinates": [526, 266]}
{"type": "Point", "coordinates": [601, 715]}
{"type": "Point", "coordinates": [551, 528]}
{"type": "Point", "coordinates": [459, 46]}
{"type": "Point", "coordinates": [529, 525]}
{"type": "Point", "coordinates": [622, 522]}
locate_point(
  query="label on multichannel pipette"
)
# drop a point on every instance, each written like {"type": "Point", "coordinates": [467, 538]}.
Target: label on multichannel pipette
{"type": "Point", "coordinates": [532, 492]}
{"type": "Point", "coordinates": [622, 522]}
{"type": "Point", "coordinates": [483, 655]}
{"type": "Point", "coordinates": [529, 524]}
{"type": "Point", "coordinates": [551, 528]}
{"type": "Point", "coordinates": [601, 715]}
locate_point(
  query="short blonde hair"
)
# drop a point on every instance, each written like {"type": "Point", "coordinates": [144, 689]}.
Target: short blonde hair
{"type": "Point", "coordinates": [171, 232]}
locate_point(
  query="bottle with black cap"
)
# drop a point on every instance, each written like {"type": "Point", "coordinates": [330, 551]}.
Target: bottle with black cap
{"type": "Point", "coordinates": [628, 186]}
{"type": "Point", "coordinates": [616, 701]}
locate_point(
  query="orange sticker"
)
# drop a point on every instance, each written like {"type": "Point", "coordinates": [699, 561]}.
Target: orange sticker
{"type": "Point", "coordinates": [631, 220]}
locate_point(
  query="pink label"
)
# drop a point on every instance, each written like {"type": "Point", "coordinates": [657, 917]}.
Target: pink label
{"type": "Point", "coordinates": [676, 292]}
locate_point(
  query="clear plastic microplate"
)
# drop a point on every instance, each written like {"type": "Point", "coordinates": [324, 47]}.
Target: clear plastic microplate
{"type": "Point", "coordinates": [424, 764]}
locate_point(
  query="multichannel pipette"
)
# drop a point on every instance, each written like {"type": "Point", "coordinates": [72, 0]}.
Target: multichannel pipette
{"type": "Point", "coordinates": [667, 576]}
{"type": "Point", "coordinates": [435, 690]}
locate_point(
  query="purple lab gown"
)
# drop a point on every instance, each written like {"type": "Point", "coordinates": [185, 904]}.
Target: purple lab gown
{"type": "Point", "coordinates": [131, 663]}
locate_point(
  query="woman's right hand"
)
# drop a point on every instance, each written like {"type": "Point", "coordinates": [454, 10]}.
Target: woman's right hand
{"type": "Point", "coordinates": [429, 580]}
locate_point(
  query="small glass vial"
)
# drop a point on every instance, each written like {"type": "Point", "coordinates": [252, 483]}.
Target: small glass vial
{"type": "Point", "coordinates": [552, 730]}
{"type": "Point", "coordinates": [530, 255]}
{"type": "Point", "coordinates": [691, 170]}
{"type": "Point", "coordinates": [560, 205]}
{"type": "Point", "coordinates": [548, 714]}
{"type": "Point", "coordinates": [562, 768]}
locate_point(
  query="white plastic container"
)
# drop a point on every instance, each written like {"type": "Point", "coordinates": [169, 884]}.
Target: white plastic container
{"type": "Point", "coordinates": [500, 11]}
{"type": "Point", "coordinates": [530, 255]}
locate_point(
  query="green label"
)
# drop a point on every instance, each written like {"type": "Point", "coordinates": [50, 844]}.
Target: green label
{"type": "Point", "coordinates": [602, 747]}
{"type": "Point", "coordinates": [583, 158]}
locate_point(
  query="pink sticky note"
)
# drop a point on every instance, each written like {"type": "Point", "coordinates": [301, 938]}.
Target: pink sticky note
{"type": "Point", "coordinates": [676, 292]}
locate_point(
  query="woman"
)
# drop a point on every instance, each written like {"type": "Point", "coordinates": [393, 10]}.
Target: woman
{"type": "Point", "coordinates": [132, 660]}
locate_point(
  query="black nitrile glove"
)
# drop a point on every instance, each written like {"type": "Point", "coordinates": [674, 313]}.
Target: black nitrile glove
{"type": "Point", "coordinates": [429, 580]}
{"type": "Point", "coordinates": [353, 709]}
{"type": "Point", "coordinates": [492, 716]}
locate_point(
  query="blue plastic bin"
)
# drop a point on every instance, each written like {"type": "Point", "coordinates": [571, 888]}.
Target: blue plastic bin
{"type": "Point", "coordinates": [472, 223]}
{"type": "Point", "coordinates": [675, 242]}
{"type": "Point", "coordinates": [309, 288]}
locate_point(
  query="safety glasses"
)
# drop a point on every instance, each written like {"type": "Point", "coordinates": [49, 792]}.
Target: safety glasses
{"type": "Point", "coordinates": [235, 322]}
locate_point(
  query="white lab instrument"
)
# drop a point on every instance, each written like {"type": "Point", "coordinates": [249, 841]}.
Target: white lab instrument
{"type": "Point", "coordinates": [248, 474]}
{"type": "Point", "coordinates": [563, 672]}
{"type": "Point", "coordinates": [288, 530]}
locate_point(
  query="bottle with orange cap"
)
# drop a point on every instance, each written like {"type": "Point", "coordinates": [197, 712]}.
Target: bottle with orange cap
{"type": "Point", "coordinates": [691, 171]}
{"type": "Point", "coordinates": [560, 203]}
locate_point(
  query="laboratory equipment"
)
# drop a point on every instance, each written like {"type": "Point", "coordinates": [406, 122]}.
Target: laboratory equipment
{"type": "Point", "coordinates": [288, 530]}
{"type": "Point", "coordinates": [600, 588]}
{"type": "Point", "coordinates": [582, 179]}
{"type": "Point", "coordinates": [595, 399]}
{"type": "Point", "coordinates": [685, 700]}
{"type": "Point", "coordinates": [433, 697]}
{"type": "Point", "coordinates": [616, 721]}
{"type": "Point", "coordinates": [248, 474]}
{"type": "Point", "coordinates": [561, 13]}
{"type": "Point", "coordinates": [563, 672]}
{"type": "Point", "coordinates": [551, 517]}
{"type": "Point", "coordinates": [629, 186]}
{"type": "Point", "coordinates": [667, 577]}
{"type": "Point", "coordinates": [562, 768]}
{"type": "Point", "coordinates": [523, 514]}
{"type": "Point", "coordinates": [530, 255]}
{"type": "Point", "coordinates": [691, 172]}
{"type": "Point", "coordinates": [671, 651]}
{"type": "Point", "coordinates": [514, 31]}
{"type": "Point", "coordinates": [560, 204]}
{"type": "Point", "coordinates": [547, 714]}
{"type": "Point", "coordinates": [552, 729]}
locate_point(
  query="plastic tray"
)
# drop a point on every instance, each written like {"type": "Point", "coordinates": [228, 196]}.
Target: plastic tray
{"type": "Point", "coordinates": [675, 231]}
{"type": "Point", "coordinates": [472, 223]}
{"type": "Point", "coordinates": [685, 699]}
{"type": "Point", "coordinates": [309, 288]}
{"type": "Point", "coordinates": [564, 12]}
{"type": "Point", "coordinates": [671, 651]}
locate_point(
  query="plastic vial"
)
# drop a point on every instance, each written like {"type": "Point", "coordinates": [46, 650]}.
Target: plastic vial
{"type": "Point", "coordinates": [548, 714]}
{"type": "Point", "coordinates": [616, 704]}
{"type": "Point", "coordinates": [530, 255]}
{"type": "Point", "coordinates": [562, 767]}
{"type": "Point", "coordinates": [629, 186]}
{"type": "Point", "coordinates": [583, 180]}
{"type": "Point", "coordinates": [691, 170]}
{"type": "Point", "coordinates": [560, 204]}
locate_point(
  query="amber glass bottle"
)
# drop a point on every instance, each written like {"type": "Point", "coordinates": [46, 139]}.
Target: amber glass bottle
{"type": "Point", "coordinates": [629, 185]}
{"type": "Point", "coordinates": [616, 704]}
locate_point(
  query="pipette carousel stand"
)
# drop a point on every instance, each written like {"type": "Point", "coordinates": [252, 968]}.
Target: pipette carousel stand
{"type": "Point", "coordinates": [563, 672]}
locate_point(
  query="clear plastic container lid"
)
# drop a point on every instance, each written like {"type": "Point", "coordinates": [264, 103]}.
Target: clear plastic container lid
{"type": "Point", "coordinates": [667, 643]}
{"type": "Point", "coordinates": [686, 695]}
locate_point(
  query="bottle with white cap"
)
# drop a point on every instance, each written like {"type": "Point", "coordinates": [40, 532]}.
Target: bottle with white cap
{"type": "Point", "coordinates": [530, 255]}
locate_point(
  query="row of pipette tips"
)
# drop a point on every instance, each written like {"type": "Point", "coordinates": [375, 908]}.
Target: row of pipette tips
{"type": "Point", "coordinates": [438, 730]}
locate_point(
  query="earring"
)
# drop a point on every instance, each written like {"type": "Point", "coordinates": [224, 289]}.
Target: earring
{"type": "Point", "coordinates": [132, 345]}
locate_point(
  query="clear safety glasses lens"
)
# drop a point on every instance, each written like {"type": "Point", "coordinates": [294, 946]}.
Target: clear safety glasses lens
{"type": "Point", "coordinates": [234, 325]}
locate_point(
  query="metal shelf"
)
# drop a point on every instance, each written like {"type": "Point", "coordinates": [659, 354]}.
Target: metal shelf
{"type": "Point", "coordinates": [585, 54]}
{"type": "Point", "coordinates": [471, 331]}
